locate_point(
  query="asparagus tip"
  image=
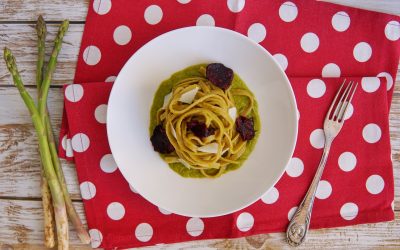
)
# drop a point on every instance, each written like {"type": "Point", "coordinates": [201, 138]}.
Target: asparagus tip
{"type": "Point", "coordinates": [41, 26]}
{"type": "Point", "coordinates": [9, 57]}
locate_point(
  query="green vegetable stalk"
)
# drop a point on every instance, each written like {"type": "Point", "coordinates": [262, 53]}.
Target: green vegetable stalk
{"type": "Point", "coordinates": [73, 215]}
{"type": "Point", "coordinates": [48, 211]}
{"type": "Point", "coordinates": [54, 185]}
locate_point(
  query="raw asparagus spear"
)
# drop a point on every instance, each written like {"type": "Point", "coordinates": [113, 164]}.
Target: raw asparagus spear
{"type": "Point", "coordinates": [73, 215]}
{"type": "Point", "coordinates": [54, 185]}
{"type": "Point", "coordinates": [48, 212]}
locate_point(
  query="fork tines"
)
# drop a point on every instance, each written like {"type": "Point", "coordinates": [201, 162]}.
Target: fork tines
{"type": "Point", "coordinates": [340, 107]}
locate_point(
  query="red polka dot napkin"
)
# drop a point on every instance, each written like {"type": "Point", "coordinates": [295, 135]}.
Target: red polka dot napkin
{"type": "Point", "coordinates": [309, 40]}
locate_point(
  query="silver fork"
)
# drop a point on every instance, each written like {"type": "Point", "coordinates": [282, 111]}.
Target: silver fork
{"type": "Point", "coordinates": [298, 226]}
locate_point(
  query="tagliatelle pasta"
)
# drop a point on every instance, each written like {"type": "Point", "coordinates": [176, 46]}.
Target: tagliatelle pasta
{"type": "Point", "coordinates": [199, 120]}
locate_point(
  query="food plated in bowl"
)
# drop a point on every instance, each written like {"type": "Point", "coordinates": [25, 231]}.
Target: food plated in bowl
{"type": "Point", "coordinates": [204, 121]}
{"type": "Point", "coordinates": [129, 117]}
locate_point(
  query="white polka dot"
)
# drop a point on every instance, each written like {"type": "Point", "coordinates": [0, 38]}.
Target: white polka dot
{"type": "Point", "coordinates": [69, 152]}
{"type": "Point", "coordinates": [389, 79]}
{"type": "Point", "coordinates": [295, 167]}
{"type": "Point", "coordinates": [122, 35]}
{"type": "Point", "coordinates": [349, 111]}
{"type": "Point", "coordinates": [184, 1]}
{"type": "Point", "coordinates": [91, 55]}
{"type": "Point", "coordinates": [194, 227]}
{"type": "Point", "coordinates": [74, 92]}
{"type": "Point", "coordinates": [392, 205]}
{"type": "Point", "coordinates": [341, 21]}
{"type": "Point", "coordinates": [88, 190]}
{"type": "Point", "coordinates": [153, 14]}
{"type": "Point", "coordinates": [110, 79]}
{"type": "Point", "coordinates": [317, 138]}
{"type": "Point", "coordinates": [64, 142]}
{"type": "Point", "coordinates": [271, 196]}
{"type": "Point", "coordinates": [288, 11]}
{"type": "Point", "coordinates": [80, 142]}
{"type": "Point", "coordinates": [392, 30]}
{"type": "Point", "coordinates": [316, 88]}
{"type": "Point", "coordinates": [349, 211]}
{"type": "Point", "coordinates": [245, 222]}
{"type": "Point", "coordinates": [205, 20]}
{"type": "Point", "coordinates": [375, 184]}
{"type": "Point", "coordinates": [309, 42]}
{"type": "Point", "coordinates": [257, 32]}
{"type": "Point", "coordinates": [291, 213]}
{"type": "Point", "coordinates": [133, 189]}
{"type": "Point", "coordinates": [281, 60]}
{"type": "Point", "coordinates": [370, 84]}
{"type": "Point", "coordinates": [331, 70]}
{"type": "Point", "coordinates": [324, 190]}
{"type": "Point", "coordinates": [115, 211]}
{"type": "Point", "coordinates": [143, 232]}
{"type": "Point", "coordinates": [362, 52]}
{"type": "Point", "coordinates": [95, 237]}
{"type": "Point", "coordinates": [101, 113]}
{"type": "Point", "coordinates": [236, 5]}
{"type": "Point", "coordinates": [107, 163]}
{"type": "Point", "coordinates": [347, 161]}
{"type": "Point", "coordinates": [101, 7]}
{"type": "Point", "coordinates": [372, 133]}
{"type": "Point", "coordinates": [163, 211]}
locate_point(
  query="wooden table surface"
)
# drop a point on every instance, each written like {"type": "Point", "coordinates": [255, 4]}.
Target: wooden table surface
{"type": "Point", "coordinates": [21, 224]}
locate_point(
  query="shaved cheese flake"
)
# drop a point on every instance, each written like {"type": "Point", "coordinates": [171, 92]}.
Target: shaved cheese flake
{"type": "Point", "coordinates": [211, 148]}
{"type": "Point", "coordinates": [189, 96]}
{"type": "Point", "coordinates": [184, 163]}
{"type": "Point", "coordinates": [173, 132]}
{"type": "Point", "coordinates": [232, 113]}
{"type": "Point", "coordinates": [167, 98]}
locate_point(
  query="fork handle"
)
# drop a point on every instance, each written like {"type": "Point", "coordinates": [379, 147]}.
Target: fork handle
{"type": "Point", "coordinates": [298, 226]}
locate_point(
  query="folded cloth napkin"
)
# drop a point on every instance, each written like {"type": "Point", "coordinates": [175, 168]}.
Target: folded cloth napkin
{"type": "Point", "coordinates": [309, 39]}
{"type": "Point", "coordinates": [356, 187]}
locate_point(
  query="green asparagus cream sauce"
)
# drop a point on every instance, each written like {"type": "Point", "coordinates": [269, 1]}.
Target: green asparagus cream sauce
{"type": "Point", "coordinates": [240, 101]}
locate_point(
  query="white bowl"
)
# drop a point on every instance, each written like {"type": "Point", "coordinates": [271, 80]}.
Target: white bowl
{"type": "Point", "coordinates": [128, 119]}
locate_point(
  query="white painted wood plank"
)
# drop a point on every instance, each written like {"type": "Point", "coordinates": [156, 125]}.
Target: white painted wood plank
{"type": "Point", "coordinates": [21, 224]}
{"type": "Point", "coordinates": [384, 6]}
{"type": "Point", "coordinates": [52, 10]}
{"type": "Point", "coordinates": [19, 159]}
{"type": "Point", "coordinates": [21, 39]}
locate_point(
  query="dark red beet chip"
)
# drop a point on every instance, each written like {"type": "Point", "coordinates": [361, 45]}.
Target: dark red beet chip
{"type": "Point", "coordinates": [219, 75]}
{"type": "Point", "coordinates": [160, 141]}
{"type": "Point", "coordinates": [245, 127]}
{"type": "Point", "coordinates": [200, 129]}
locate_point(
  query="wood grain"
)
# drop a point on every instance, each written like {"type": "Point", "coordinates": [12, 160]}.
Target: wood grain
{"type": "Point", "coordinates": [389, 7]}
{"type": "Point", "coordinates": [54, 10]}
{"type": "Point", "coordinates": [22, 224]}
{"type": "Point", "coordinates": [19, 159]}
{"type": "Point", "coordinates": [20, 208]}
{"type": "Point", "coordinates": [21, 39]}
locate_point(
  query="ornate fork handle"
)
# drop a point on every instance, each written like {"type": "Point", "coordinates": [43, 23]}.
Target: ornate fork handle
{"type": "Point", "coordinates": [334, 119]}
{"type": "Point", "coordinates": [298, 226]}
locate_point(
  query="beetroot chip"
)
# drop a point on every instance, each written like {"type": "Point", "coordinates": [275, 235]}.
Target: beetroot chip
{"type": "Point", "coordinates": [200, 129]}
{"type": "Point", "coordinates": [219, 75]}
{"type": "Point", "coordinates": [160, 141]}
{"type": "Point", "coordinates": [245, 127]}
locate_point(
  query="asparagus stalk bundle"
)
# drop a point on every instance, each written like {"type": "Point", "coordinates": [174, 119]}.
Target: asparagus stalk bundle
{"type": "Point", "coordinates": [48, 212]}
{"type": "Point", "coordinates": [53, 187]}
